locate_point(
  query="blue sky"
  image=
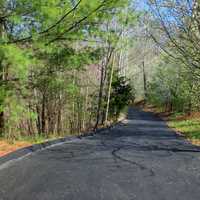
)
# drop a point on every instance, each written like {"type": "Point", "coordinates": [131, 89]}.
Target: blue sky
{"type": "Point", "coordinates": [141, 5]}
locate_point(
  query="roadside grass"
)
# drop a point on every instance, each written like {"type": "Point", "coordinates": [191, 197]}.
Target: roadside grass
{"type": "Point", "coordinates": [188, 127]}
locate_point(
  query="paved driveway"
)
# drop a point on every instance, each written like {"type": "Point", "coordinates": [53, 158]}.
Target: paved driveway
{"type": "Point", "coordinates": [140, 159]}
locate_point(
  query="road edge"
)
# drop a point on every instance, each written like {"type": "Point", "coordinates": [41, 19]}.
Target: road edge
{"type": "Point", "coordinates": [23, 152]}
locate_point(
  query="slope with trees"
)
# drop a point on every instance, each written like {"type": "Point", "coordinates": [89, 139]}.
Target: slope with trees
{"type": "Point", "coordinates": [56, 60]}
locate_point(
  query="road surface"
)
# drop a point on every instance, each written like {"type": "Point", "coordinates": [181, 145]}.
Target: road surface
{"type": "Point", "coordinates": [139, 159]}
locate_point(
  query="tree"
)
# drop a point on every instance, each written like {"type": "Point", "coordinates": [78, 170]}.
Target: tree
{"type": "Point", "coordinates": [121, 95]}
{"type": "Point", "coordinates": [48, 50]}
{"type": "Point", "coordinates": [178, 25]}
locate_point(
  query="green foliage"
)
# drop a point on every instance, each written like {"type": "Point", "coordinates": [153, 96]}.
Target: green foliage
{"type": "Point", "coordinates": [174, 88]}
{"type": "Point", "coordinates": [121, 96]}
{"type": "Point", "coordinates": [50, 51]}
{"type": "Point", "coordinates": [189, 127]}
{"type": "Point", "coordinates": [16, 60]}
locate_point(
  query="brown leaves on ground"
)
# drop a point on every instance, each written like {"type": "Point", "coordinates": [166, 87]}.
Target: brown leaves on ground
{"type": "Point", "coordinates": [167, 114]}
{"type": "Point", "coordinates": [7, 147]}
{"type": "Point", "coordinates": [195, 141]}
{"type": "Point", "coordinates": [164, 115]}
{"type": "Point", "coordinates": [193, 115]}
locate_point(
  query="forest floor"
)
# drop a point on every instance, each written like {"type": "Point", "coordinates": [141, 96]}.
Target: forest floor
{"type": "Point", "coordinates": [184, 124]}
{"type": "Point", "coordinates": [7, 147]}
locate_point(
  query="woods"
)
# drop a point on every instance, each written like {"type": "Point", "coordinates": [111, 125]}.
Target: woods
{"type": "Point", "coordinates": [71, 66]}
{"type": "Point", "coordinates": [166, 69]}
{"type": "Point", "coordinates": [99, 99]}
{"type": "Point", "coordinates": [59, 66]}
{"type": "Point", "coordinates": [177, 77]}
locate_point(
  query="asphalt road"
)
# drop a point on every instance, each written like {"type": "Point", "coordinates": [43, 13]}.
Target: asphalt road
{"type": "Point", "coordinates": [140, 159]}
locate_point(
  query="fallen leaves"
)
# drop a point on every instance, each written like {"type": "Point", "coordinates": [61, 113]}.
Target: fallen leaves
{"type": "Point", "coordinates": [6, 147]}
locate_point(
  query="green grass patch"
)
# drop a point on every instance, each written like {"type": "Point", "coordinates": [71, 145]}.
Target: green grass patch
{"type": "Point", "coordinates": [189, 127]}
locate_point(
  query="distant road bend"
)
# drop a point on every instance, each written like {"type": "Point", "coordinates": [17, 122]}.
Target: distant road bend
{"type": "Point", "coordinates": [139, 159]}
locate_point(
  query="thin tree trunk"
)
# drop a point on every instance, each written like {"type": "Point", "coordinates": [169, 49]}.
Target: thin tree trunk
{"type": "Point", "coordinates": [38, 122]}
{"type": "Point", "coordinates": [100, 96]}
{"type": "Point", "coordinates": [73, 106]}
{"type": "Point", "coordinates": [144, 81]}
{"type": "Point", "coordinates": [109, 89]}
{"type": "Point", "coordinates": [104, 69]}
{"type": "Point", "coordinates": [86, 107]}
{"type": "Point", "coordinates": [2, 123]}
{"type": "Point", "coordinates": [59, 117]}
{"type": "Point", "coordinates": [2, 120]}
{"type": "Point", "coordinates": [3, 82]}
{"type": "Point", "coordinates": [43, 120]}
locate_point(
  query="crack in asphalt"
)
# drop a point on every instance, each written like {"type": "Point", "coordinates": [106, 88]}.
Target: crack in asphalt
{"type": "Point", "coordinates": [115, 154]}
{"type": "Point", "coordinates": [143, 158]}
{"type": "Point", "coordinates": [141, 166]}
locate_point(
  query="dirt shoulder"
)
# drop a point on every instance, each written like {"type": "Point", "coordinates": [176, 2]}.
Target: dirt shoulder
{"type": "Point", "coordinates": [7, 147]}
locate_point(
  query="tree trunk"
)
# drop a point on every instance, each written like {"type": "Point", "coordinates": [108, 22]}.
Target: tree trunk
{"type": "Point", "coordinates": [85, 108]}
{"type": "Point", "coordinates": [104, 69]}
{"type": "Point", "coordinates": [145, 81]}
{"type": "Point", "coordinates": [59, 117]}
{"type": "Point", "coordinates": [100, 96]}
{"type": "Point", "coordinates": [2, 123]}
{"type": "Point", "coordinates": [43, 120]}
{"type": "Point", "coordinates": [109, 90]}
{"type": "Point", "coordinates": [2, 120]}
